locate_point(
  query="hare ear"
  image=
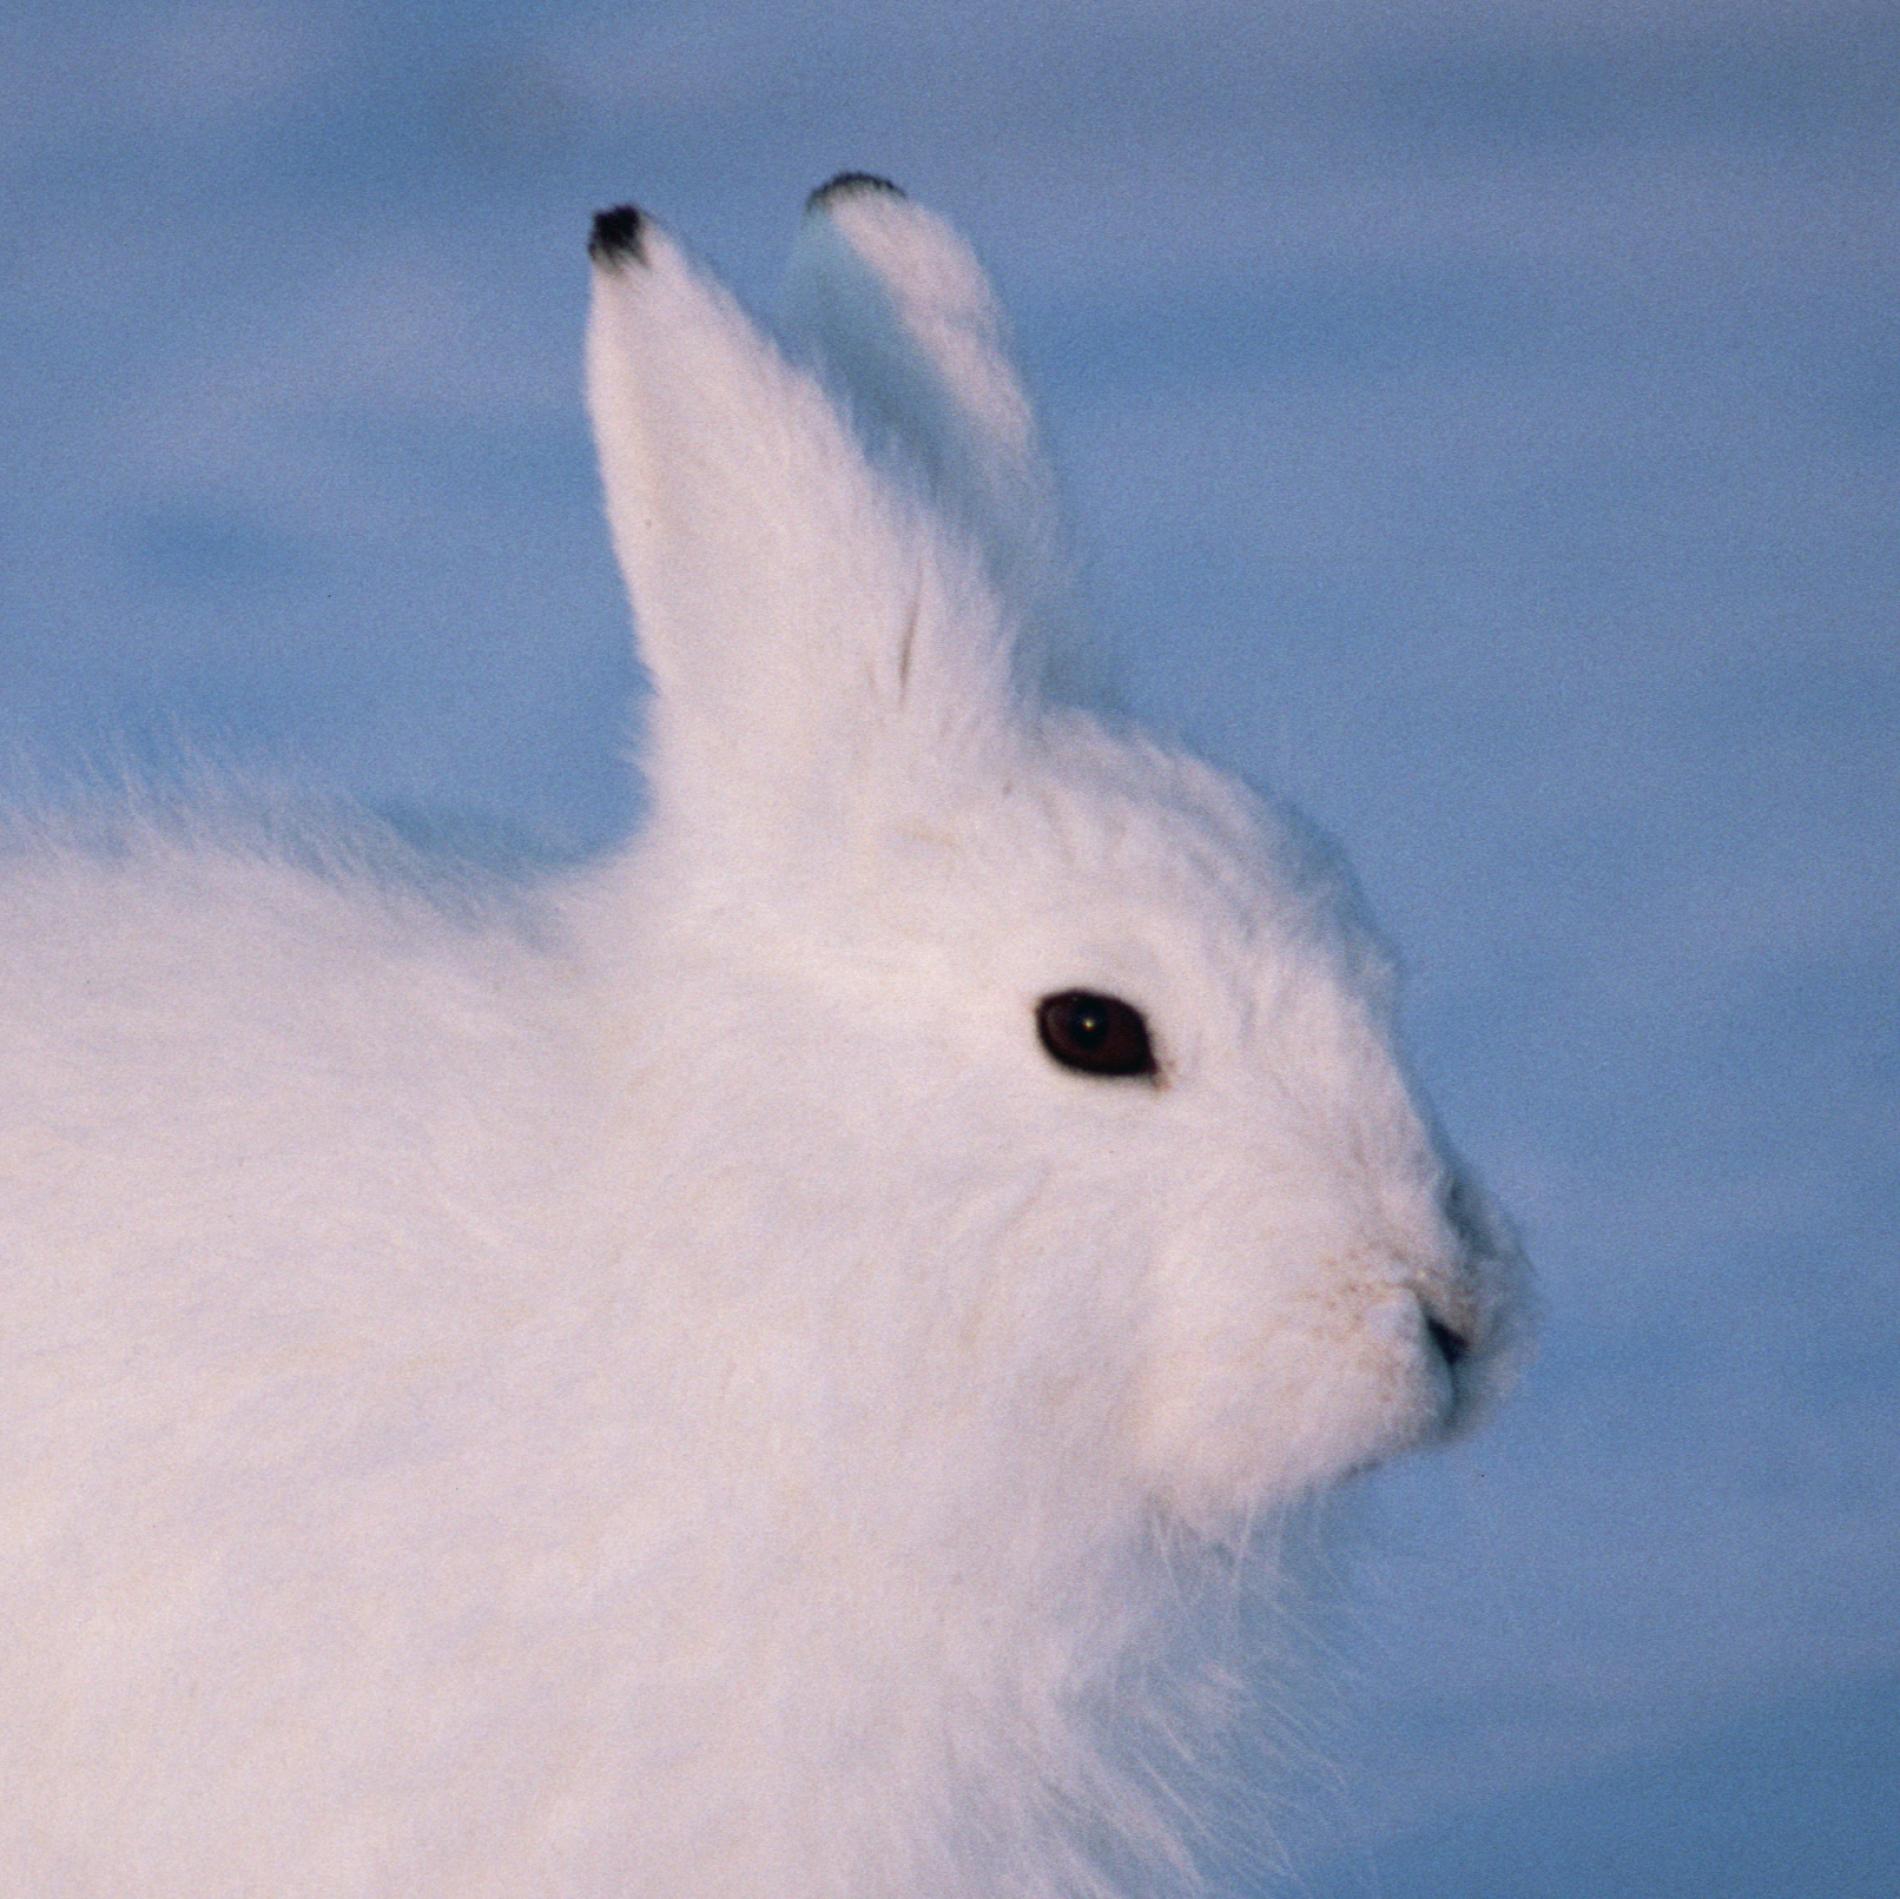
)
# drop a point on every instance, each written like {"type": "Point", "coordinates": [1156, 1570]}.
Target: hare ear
{"type": "Point", "coordinates": [788, 598]}
{"type": "Point", "coordinates": [901, 315]}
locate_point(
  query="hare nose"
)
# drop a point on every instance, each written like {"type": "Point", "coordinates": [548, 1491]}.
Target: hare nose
{"type": "Point", "coordinates": [1452, 1346]}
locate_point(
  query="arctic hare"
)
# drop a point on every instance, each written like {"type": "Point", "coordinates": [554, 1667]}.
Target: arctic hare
{"type": "Point", "coordinates": [707, 1378]}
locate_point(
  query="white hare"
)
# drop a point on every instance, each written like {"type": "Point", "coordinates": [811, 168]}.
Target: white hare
{"type": "Point", "coordinates": [710, 1378]}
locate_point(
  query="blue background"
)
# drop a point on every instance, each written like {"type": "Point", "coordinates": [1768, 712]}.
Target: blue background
{"type": "Point", "coordinates": [1483, 420]}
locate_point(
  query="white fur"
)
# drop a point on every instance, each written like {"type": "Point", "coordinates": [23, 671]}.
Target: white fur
{"type": "Point", "coordinates": [659, 1385]}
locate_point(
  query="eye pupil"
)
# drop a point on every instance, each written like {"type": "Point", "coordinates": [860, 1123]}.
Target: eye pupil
{"type": "Point", "coordinates": [1096, 1034]}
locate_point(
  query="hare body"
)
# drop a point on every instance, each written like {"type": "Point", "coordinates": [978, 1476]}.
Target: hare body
{"type": "Point", "coordinates": [665, 1384]}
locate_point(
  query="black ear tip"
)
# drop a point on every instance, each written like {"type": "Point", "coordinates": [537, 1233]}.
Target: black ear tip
{"type": "Point", "coordinates": [615, 238]}
{"type": "Point", "coordinates": [850, 184]}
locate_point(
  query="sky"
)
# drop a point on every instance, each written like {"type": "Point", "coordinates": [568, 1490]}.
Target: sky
{"type": "Point", "coordinates": [1481, 421]}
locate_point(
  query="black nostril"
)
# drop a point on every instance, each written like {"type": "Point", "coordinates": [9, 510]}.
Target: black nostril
{"type": "Point", "coordinates": [1452, 1346]}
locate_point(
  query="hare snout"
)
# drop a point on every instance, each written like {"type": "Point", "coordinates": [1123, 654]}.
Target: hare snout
{"type": "Point", "coordinates": [1275, 1376]}
{"type": "Point", "coordinates": [1452, 1345]}
{"type": "Point", "coordinates": [1425, 1319]}
{"type": "Point", "coordinates": [1448, 1316]}
{"type": "Point", "coordinates": [1449, 1356]}
{"type": "Point", "coordinates": [1462, 1324]}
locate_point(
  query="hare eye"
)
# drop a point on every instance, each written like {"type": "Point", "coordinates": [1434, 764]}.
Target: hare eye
{"type": "Point", "coordinates": [1100, 1035]}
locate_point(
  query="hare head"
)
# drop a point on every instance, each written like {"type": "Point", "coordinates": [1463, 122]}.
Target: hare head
{"type": "Point", "coordinates": [1113, 1021]}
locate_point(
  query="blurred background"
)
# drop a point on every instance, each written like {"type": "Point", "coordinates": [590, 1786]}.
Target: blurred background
{"type": "Point", "coordinates": [1482, 420]}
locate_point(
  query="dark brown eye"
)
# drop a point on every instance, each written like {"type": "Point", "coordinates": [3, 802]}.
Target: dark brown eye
{"type": "Point", "coordinates": [1100, 1035]}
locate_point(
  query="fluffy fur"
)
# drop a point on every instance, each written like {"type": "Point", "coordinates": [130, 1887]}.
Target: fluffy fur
{"type": "Point", "coordinates": [659, 1385]}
